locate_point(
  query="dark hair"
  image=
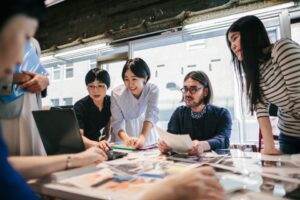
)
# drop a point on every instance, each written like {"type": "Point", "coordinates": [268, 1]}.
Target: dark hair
{"type": "Point", "coordinates": [31, 8]}
{"type": "Point", "coordinates": [138, 67]}
{"type": "Point", "coordinates": [253, 38]}
{"type": "Point", "coordinates": [99, 75]}
{"type": "Point", "coordinates": [203, 79]}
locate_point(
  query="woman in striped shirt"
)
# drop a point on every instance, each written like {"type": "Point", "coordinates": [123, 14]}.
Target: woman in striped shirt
{"type": "Point", "coordinates": [271, 74]}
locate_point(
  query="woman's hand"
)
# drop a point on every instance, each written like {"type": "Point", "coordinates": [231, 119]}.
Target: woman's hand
{"type": "Point", "coordinates": [89, 156]}
{"type": "Point", "coordinates": [271, 151]}
{"type": "Point", "coordinates": [135, 142]}
{"type": "Point", "coordinates": [104, 145]}
{"type": "Point", "coordinates": [163, 147]}
{"type": "Point", "coordinates": [89, 143]}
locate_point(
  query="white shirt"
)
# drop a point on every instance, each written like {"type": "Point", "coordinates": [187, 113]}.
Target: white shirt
{"type": "Point", "coordinates": [129, 112]}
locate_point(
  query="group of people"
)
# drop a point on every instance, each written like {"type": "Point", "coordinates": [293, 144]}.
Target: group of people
{"type": "Point", "coordinates": [270, 73]}
{"type": "Point", "coordinates": [131, 113]}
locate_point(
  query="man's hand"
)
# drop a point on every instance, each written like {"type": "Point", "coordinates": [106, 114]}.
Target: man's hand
{"type": "Point", "coordinates": [196, 149]}
{"type": "Point", "coordinates": [163, 147]}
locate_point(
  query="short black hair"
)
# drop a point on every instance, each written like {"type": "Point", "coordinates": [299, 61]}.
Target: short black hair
{"type": "Point", "coordinates": [32, 8]}
{"type": "Point", "coordinates": [138, 67]}
{"type": "Point", "coordinates": [203, 79]}
{"type": "Point", "coordinates": [97, 74]}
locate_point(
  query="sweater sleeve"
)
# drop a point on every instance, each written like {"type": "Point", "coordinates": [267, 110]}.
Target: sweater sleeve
{"type": "Point", "coordinates": [152, 110]}
{"type": "Point", "coordinates": [117, 122]}
{"type": "Point", "coordinates": [224, 126]}
{"type": "Point", "coordinates": [174, 123]}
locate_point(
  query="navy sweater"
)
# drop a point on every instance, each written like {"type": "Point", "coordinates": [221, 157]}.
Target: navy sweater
{"type": "Point", "coordinates": [214, 126]}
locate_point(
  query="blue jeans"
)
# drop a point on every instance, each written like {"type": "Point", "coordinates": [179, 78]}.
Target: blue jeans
{"type": "Point", "coordinates": [289, 144]}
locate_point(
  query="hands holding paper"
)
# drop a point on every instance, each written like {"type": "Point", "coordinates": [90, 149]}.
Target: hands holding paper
{"type": "Point", "coordinates": [163, 147]}
{"type": "Point", "coordinates": [199, 147]}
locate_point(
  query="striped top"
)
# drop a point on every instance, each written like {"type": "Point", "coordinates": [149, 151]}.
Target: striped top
{"type": "Point", "coordinates": [280, 85]}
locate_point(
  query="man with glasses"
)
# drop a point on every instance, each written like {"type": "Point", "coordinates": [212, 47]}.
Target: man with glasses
{"type": "Point", "coordinates": [209, 126]}
{"type": "Point", "coordinates": [93, 111]}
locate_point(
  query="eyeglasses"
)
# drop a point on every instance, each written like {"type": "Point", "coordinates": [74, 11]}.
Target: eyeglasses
{"type": "Point", "coordinates": [192, 89]}
{"type": "Point", "coordinates": [93, 87]}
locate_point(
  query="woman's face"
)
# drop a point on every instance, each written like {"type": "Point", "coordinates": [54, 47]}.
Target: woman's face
{"type": "Point", "coordinates": [235, 41]}
{"type": "Point", "coordinates": [13, 37]}
{"type": "Point", "coordinates": [97, 90]}
{"type": "Point", "coordinates": [133, 83]}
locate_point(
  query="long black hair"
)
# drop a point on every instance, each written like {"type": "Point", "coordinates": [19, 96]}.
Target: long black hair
{"type": "Point", "coordinates": [253, 38]}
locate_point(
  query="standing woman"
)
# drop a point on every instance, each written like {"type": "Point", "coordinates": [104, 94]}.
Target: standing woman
{"type": "Point", "coordinates": [134, 105]}
{"type": "Point", "coordinates": [271, 73]}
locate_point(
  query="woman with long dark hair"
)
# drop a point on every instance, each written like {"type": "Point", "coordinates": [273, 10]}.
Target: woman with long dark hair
{"type": "Point", "coordinates": [269, 74]}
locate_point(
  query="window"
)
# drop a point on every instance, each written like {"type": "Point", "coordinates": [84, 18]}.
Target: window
{"type": "Point", "coordinates": [49, 70]}
{"type": "Point", "coordinates": [69, 72]}
{"type": "Point", "coordinates": [54, 102]}
{"type": "Point", "coordinates": [93, 64]}
{"type": "Point", "coordinates": [115, 70]}
{"type": "Point", "coordinates": [295, 32]}
{"type": "Point", "coordinates": [57, 72]}
{"type": "Point", "coordinates": [68, 101]}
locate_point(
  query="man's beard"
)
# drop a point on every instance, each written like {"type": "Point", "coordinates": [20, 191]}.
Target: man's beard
{"type": "Point", "coordinates": [195, 105]}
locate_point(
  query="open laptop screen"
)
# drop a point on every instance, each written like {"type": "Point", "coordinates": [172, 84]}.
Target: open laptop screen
{"type": "Point", "coordinates": [59, 131]}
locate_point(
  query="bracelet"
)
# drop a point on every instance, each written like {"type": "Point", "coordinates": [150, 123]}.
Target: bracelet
{"type": "Point", "coordinates": [68, 162]}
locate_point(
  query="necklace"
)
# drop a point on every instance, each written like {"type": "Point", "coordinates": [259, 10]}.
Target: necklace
{"type": "Point", "coordinates": [198, 115]}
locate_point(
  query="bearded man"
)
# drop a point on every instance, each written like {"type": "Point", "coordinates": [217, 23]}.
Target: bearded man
{"type": "Point", "coordinates": [209, 126]}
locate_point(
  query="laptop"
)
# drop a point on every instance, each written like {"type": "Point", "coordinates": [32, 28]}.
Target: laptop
{"type": "Point", "coordinates": [59, 131]}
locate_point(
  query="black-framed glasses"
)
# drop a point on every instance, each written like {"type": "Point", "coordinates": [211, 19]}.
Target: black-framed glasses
{"type": "Point", "coordinates": [192, 89]}
{"type": "Point", "coordinates": [97, 87]}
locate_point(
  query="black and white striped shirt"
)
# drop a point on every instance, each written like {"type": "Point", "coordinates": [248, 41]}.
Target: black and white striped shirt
{"type": "Point", "coordinates": [280, 85]}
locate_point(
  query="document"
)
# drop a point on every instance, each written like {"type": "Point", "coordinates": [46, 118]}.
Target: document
{"type": "Point", "coordinates": [178, 143]}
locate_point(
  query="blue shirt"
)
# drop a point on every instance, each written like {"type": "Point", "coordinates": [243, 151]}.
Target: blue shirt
{"type": "Point", "coordinates": [12, 185]}
{"type": "Point", "coordinates": [214, 126]}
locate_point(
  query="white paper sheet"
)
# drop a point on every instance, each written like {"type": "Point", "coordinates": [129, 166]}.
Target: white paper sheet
{"type": "Point", "coordinates": [178, 143]}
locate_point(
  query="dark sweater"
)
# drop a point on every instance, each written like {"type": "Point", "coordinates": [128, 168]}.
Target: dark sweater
{"type": "Point", "coordinates": [214, 126]}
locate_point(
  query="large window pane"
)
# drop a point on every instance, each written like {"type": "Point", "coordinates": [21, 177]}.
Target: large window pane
{"type": "Point", "coordinates": [296, 32]}
{"type": "Point", "coordinates": [72, 86]}
{"type": "Point", "coordinates": [68, 101]}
